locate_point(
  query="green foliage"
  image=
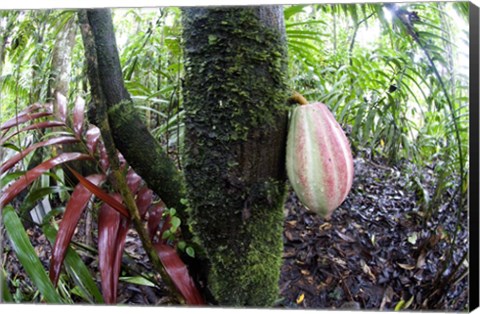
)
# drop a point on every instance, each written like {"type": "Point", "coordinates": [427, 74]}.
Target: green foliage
{"type": "Point", "coordinates": [28, 257]}
{"type": "Point", "coordinates": [27, 45]}
{"type": "Point", "coordinates": [358, 59]}
{"type": "Point", "coordinates": [385, 87]}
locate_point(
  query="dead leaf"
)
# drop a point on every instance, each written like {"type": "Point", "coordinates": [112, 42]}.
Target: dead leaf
{"type": "Point", "coordinates": [421, 259]}
{"type": "Point", "coordinates": [325, 226]}
{"type": "Point", "coordinates": [344, 236]}
{"type": "Point", "coordinates": [406, 266]}
{"type": "Point", "coordinates": [366, 269]}
{"type": "Point", "coordinates": [300, 298]}
{"type": "Point", "coordinates": [387, 297]}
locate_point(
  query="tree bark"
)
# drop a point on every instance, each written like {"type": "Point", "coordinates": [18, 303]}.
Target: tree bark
{"type": "Point", "coordinates": [236, 125]}
{"type": "Point", "coordinates": [141, 150]}
{"type": "Point", "coordinates": [61, 57]}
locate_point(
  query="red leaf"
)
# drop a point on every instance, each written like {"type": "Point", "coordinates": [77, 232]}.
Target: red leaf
{"type": "Point", "coordinates": [144, 199]}
{"type": "Point", "coordinates": [34, 173]}
{"type": "Point", "coordinates": [101, 194]}
{"type": "Point", "coordinates": [108, 225]}
{"type": "Point", "coordinates": [112, 233]}
{"type": "Point", "coordinates": [53, 141]}
{"type": "Point", "coordinates": [78, 115]}
{"type": "Point", "coordinates": [178, 272]}
{"type": "Point", "coordinates": [22, 118]}
{"type": "Point", "coordinates": [93, 134]}
{"type": "Point", "coordinates": [133, 181]}
{"type": "Point", "coordinates": [61, 106]}
{"type": "Point", "coordinates": [26, 111]}
{"type": "Point", "coordinates": [119, 246]}
{"type": "Point", "coordinates": [36, 126]}
{"type": "Point", "coordinates": [154, 218]}
{"type": "Point", "coordinates": [75, 207]}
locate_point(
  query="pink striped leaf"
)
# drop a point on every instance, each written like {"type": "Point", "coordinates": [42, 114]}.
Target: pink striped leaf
{"type": "Point", "coordinates": [119, 246]}
{"type": "Point", "coordinates": [104, 161]}
{"type": "Point", "coordinates": [93, 135]}
{"type": "Point", "coordinates": [133, 181]}
{"type": "Point", "coordinates": [144, 200]}
{"type": "Point", "coordinates": [154, 218]}
{"type": "Point", "coordinates": [108, 226]}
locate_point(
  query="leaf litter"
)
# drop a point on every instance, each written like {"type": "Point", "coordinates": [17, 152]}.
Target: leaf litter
{"type": "Point", "coordinates": [376, 252]}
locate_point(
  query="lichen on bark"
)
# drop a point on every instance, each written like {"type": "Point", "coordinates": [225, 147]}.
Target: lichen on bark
{"type": "Point", "coordinates": [236, 117]}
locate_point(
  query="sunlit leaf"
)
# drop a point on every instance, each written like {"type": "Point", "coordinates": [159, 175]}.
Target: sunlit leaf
{"type": "Point", "coordinates": [138, 280]}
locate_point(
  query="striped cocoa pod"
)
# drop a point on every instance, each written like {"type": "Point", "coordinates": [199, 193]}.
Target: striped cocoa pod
{"type": "Point", "coordinates": [319, 160]}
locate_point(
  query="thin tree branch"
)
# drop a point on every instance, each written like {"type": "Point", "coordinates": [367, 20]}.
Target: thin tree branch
{"type": "Point", "coordinates": [99, 96]}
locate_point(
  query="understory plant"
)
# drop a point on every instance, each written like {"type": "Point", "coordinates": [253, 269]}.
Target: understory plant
{"type": "Point", "coordinates": [70, 143]}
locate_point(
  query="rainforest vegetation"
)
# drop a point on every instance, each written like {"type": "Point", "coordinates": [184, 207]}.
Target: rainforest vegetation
{"type": "Point", "coordinates": [143, 156]}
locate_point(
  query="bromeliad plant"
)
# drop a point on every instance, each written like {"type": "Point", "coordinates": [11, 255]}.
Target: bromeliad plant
{"type": "Point", "coordinates": [114, 219]}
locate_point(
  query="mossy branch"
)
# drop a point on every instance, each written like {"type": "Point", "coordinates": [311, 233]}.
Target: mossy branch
{"type": "Point", "coordinates": [119, 179]}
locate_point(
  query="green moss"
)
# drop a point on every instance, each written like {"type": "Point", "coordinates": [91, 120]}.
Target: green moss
{"type": "Point", "coordinates": [141, 149]}
{"type": "Point", "coordinates": [235, 118]}
{"type": "Point", "coordinates": [251, 278]}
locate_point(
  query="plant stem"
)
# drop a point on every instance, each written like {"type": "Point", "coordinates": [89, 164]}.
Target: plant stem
{"type": "Point", "coordinates": [119, 181]}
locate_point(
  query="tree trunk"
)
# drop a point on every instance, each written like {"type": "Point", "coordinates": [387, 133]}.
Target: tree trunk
{"type": "Point", "coordinates": [236, 124]}
{"type": "Point", "coordinates": [61, 60]}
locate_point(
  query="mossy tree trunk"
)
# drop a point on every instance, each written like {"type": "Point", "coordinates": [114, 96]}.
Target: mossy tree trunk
{"type": "Point", "coordinates": [236, 124]}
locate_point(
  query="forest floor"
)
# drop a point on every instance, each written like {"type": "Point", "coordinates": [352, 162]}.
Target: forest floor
{"type": "Point", "coordinates": [377, 252]}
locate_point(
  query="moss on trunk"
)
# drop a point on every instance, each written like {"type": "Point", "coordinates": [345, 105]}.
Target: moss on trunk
{"type": "Point", "coordinates": [236, 124]}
